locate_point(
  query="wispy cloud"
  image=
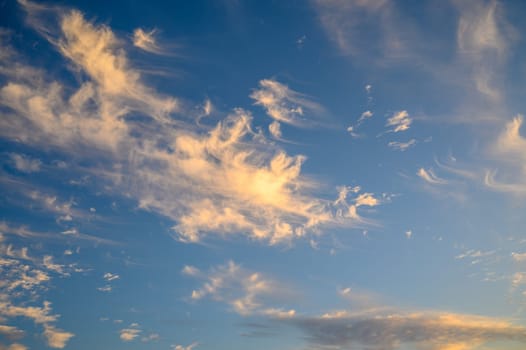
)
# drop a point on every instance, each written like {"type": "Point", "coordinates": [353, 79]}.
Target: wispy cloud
{"type": "Point", "coordinates": [400, 121]}
{"type": "Point", "coordinates": [242, 289]}
{"type": "Point", "coordinates": [509, 148]}
{"type": "Point", "coordinates": [284, 104]}
{"type": "Point", "coordinates": [402, 146]}
{"type": "Point", "coordinates": [25, 164]}
{"type": "Point", "coordinates": [182, 347]}
{"type": "Point", "coordinates": [430, 177]}
{"type": "Point", "coordinates": [146, 40]}
{"type": "Point", "coordinates": [483, 38]}
{"type": "Point", "coordinates": [224, 179]}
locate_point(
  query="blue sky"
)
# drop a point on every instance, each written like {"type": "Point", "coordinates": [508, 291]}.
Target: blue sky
{"type": "Point", "coordinates": [290, 175]}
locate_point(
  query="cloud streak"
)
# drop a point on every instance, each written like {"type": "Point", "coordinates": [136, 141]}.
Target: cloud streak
{"type": "Point", "coordinates": [426, 331]}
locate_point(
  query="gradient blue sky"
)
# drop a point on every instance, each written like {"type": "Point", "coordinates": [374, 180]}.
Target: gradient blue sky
{"type": "Point", "coordinates": [290, 175]}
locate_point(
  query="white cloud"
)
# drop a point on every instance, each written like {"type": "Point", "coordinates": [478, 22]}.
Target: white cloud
{"type": "Point", "coordinates": [430, 177]}
{"type": "Point", "coordinates": [519, 257]}
{"type": "Point", "coordinates": [284, 104]}
{"type": "Point", "coordinates": [106, 289]}
{"type": "Point", "coordinates": [129, 334]}
{"type": "Point", "coordinates": [11, 333]}
{"type": "Point", "coordinates": [509, 148]}
{"type": "Point", "coordinates": [56, 338]}
{"type": "Point", "coordinates": [275, 129]}
{"type": "Point", "coordinates": [221, 180]}
{"type": "Point", "coordinates": [108, 276]}
{"type": "Point", "coordinates": [181, 347]}
{"type": "Point", "coordinates": [366, 199]}
{"type": "Point", "coordinates": [483, 38]}
{"type": "Point", "coordinates": [242, 289]}
{"type": "Point", "coordinates": [146, 41]}
{"type": "Point", "coordinates": [400, 121]}
{"type": "Point", "coordinates": [352, 129]}
{"type": "Point", "coordinates": [402, 146]}
{"type": "Point", "coordinates": [151, 337]}
{"type": "Point", "coordinates": [25, 164]}
{"type": "Point", "coordinates": [365, 115]}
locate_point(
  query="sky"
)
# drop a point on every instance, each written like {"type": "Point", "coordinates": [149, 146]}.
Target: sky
{"type": "Point", "coordinates": [290, 175]}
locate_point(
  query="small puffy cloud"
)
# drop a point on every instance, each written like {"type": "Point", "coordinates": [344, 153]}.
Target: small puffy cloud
{"type": "Point", "coordinates": [106, 289]}
{"type": "Point", "coordinates": [181, 347]}
{"type": "Point", "coordinates": [400, 121]}
{"type": "Point", "coordinates": [430, 177]}
{"type": "Point", "coordinates": [25, 164]}
{"type": "Point", "coordinates": [56, 338]}
{"type": "Point", "coordinates": [366, 199]}
{"type": "Point", "coordinates": [365, 115]}
{"type": "Point", "coordinates": [191, 271]}
{"type": "Point", "coordinates": [146, 41]}
{"type": "Point", "coordinates": [108, 276]}
{"type": "Point", "coordinates": [129, 334]}
{"type": "Point", "coordinates": [282, 103]}
{"type": "Point", "coordinates": [402, 146]}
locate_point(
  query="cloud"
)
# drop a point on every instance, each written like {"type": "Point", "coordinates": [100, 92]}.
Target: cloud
{"type": "Point", "coordinates": [346, 23]}
{"type": "Point", "coordinates": [146, 41]}
{"type": "Point", "coordinates": [388, 331]}
{"type": "Point", "coordinates": [25, 164]}
{"type": "Point", "coordinates": [129, 334]}
{"type": "Point", "coordinates": [108, 276]}
{"type": "Point", "coordinates": [14, 346]}
{"type": "Point", "coordinates": [518, 257]}
{"type": "Point", "coordinates": [56, 338]}
{"type": "Point", "coordinates": [284, 104]}
{"type": "Point", "coordinates": [25, 278]}
{"type": "Point", "coordinates": [106, 289]}
{"type": "Point", "coordinates": [365, 115]}
{"type": "Point", "coordinates": [275, 129]}
{"type": "Point", "coordinates": [221, 180]}
{"type": "Point", "coordinates": [400, 121]}
{"type": "Point", "coordinates": [11, 333]}
{"type": "Point", "coordinates": [243, 290]}
{"type": "Point", "coordinates": [509, 148]}
{"type": "Point", "coordinates": [483, 39]}
{"type": "Point", "coordinates": [366, 199]}
{"type": "Point", "coordinates": [402, 146]}
{"type": "Point", "coordinates": [352, 129]}
{"type": "Point", "coordinates": [430, 177]}
{"type": "Point", "coordinates": [151, 337]}
{"type": "Point", "coordinates": [181, 347]}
